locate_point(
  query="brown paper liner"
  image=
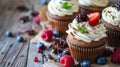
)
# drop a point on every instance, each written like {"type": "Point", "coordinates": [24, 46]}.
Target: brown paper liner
{"type": "Point", "coordinates": [113, 34]}
{"type": "Point", "coordinates": [85, 53]}
{"type": "Point", "coordinates": [59, 25]}
{"type": "Point", "coordinates": [113, 38]}
{"type": "Point", "coordinates": [87, 10]}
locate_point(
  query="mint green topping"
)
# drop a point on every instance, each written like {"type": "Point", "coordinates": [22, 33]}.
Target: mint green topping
{"type": "Point", "coordinates": [82, 30]}
{"type": "Point", "coordinates": [66, 6]}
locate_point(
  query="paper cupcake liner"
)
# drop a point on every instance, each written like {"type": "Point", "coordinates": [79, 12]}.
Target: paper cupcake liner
{"type": "Point", "coordinates": [59, 25]}
{"type": "Point", "coordinates": [85, 9]}
{"type": "Point", "coordinates": [113, 38]}
{"type": "Point", "coordinates": [85, 53]}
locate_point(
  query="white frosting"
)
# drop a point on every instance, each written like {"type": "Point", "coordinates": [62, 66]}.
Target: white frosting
{"type": "Point", "coordinates": [111, 15]}
{"type": "Point", "coordinates": [94, 33]}
{"type": "Point", "coordinates": [99, 3]}
{"type": "Point", "coordinates": [51, 63]}
{"type": "Point", "coordinates": [55, 7]}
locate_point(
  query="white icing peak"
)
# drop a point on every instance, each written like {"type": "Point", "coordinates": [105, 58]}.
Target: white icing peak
{"type": "Point", "coordinates": [99, 3]}
{"type": "Point", "coordinates": [111, 15]}
{"type": "Point", "coordinates": [94, 33]}
{"type": "Point", "coordinates": [55, 7]}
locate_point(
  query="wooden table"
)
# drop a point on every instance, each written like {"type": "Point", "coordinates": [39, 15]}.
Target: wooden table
{"type": "Point", "coordinates": [13, 53]}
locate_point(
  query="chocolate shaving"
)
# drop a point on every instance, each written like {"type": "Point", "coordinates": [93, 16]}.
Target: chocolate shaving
{"type": "Point", "coordinates": [22, 8]}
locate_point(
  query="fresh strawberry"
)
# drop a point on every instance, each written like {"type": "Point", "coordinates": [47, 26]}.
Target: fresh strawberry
{"type": "Point", "coordinates": [94, 18]}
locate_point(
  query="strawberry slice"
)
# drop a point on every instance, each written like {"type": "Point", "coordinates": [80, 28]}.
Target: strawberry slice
{"type": "Point", "coordinates": [94, 18]}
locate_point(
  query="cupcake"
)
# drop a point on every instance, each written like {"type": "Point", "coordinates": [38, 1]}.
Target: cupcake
{"type": "Point", "coordinates": [88, 6]}
{"type": "Point", "coordinates": [62, 12]}
{"type": "Point", "coordinates": [86, 37]}
{"type": "Point", "coordinates": [111, 19]}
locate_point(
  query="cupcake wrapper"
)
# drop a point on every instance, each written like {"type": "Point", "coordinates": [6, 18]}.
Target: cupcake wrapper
{"type": "Point", "coordinates": [58, 25]}
{"type": "Point", "coordinates": [113, 38]}
{"type": "Point", "coordinates": [88, 10]}
{"type": "Point", "coordinates": [81, 53]}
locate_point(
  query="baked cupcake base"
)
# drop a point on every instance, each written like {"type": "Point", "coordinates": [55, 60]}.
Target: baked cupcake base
{"type": "Point", "coordinates": [81, 53]}
{"type": "Point", "coordinates": [113, 34]}
{"type": "Point", "coordinates": [60, 23]}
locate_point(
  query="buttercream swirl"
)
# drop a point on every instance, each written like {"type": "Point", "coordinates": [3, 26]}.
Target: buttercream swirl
{"type": "Point", "coordinates": [98, 3]}
{"type": "Point", "coordinates": [111, 15]}
{"type": "Point", "coordinates": [55, 7]}
{"type": "Point", "coordinates": [94, 33]}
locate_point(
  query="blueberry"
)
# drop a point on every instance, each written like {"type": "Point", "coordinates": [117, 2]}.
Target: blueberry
{"type": "Point", "coordinates": [9, 34]}
{"type": "Point", "coordinates": [102, 60]}
{"type": "Point", "coordinates": [20, 39]}
{"type": "Point", "coordinates": [40, 45]}
{"type": "Point", "coordinates": [44, 2]}
{"type": "Point", "coordinates": [86, 63]}
{"type": "Point", "coordinates": [59, 56]}
{"type": "Point", "coordinates": [56, 33]}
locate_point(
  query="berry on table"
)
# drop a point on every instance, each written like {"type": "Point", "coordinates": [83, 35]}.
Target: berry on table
{"type": "Point", "coordinates": [94, 18]}
{"type": "Point", "coordinates": [46, 35]}
{"type": "Point", "coordinates": [59, 56]}
{"type": "Point", "coordinates": [20, 39]}
{"type": "Point", "coordinates": [9, 34]}
{"type": "Point", "coordinates": [102, 60]}
{"type": "Point", "coordinates": [40, 45]}
{"type": "Point", "coordinates": [39, 50]}
{"type": "Point", "coordinates": [56, 33]}
{"type": "Point", "coordinates": [67, 61]}
{"type": "Point", "coordinates": [117, 5]}
{"type": "Point", "coordinates": [35, 59]}
{"type": "Point", "coordinates": [44, 2]}
{"type": "Point", "coordinates": [37, 19]}
{"type": "Point", "coordinates": [86, 63]}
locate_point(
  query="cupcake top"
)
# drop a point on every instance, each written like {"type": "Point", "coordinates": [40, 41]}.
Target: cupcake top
{"type": "Point", "coordinates": [63, 7]}
{"type": "Point", "coordinates": [87, 30]}
{"type": "Point", "coordinates": [97, 3]}
{"type": "Point", "coordinates": [112, 16]}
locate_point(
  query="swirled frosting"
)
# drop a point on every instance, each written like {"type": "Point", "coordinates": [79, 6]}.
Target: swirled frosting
{"type": "Point", "coordinates": [111, 15]}
{"type": "Point", "coordinates": [55, 7]}
{"type": "Point", "coordinates": [98, 3]}
{"type": "Point", "coordinates": [94, 33]}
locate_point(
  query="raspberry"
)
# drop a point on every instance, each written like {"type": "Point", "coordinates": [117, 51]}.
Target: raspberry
{"type": "Point", "coordinates": [36, 59]}
{"type": "Point", "coordinates": [37, 19]}
{"type": "Point", "coordinates": [67, 61]}
{"type": "Point", "coordinates": [47, 35]}
{"type": "Point", "coordinates": [39, 50]}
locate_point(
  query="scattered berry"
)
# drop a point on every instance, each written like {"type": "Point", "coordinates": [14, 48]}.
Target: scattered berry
{"type": "Point", "coordinates": [116, 56]}
{"type": "Point", "coordinates": [36, 59]}
{"type": "Point", "coordinates": [9, 34]}
{"type": "Point", "coordinates": [117, 5]}
{"type": "Point", "coordinates": [94, 18]}
{"type": "Point", "coordinates": [56, 33]}
{"type": "Point", "coordinates": [39, 50]}
{"type": "Point", "coordinates": [67, 61]}
{"type": "Point", "coordinates": [40, 45]}
{"type": "Point", "coordinates": [82, 18]}
{"type": "Point", "coordinates": [86, 63]}
{"type": "Point", "coordinates": [20, 39]}
{"type": "Point", "coordinates": [44, 2]}
{"type": "Point", "coordinates": [102, 60]}
{"type": "Point", "coordinates": [46, 35]}
{"type": "Point", "coordinates": [59, 56]}
{"type": "Point", "coordinates": [37, 19]}
{"type": "Point", "coordinates": [66, 52]}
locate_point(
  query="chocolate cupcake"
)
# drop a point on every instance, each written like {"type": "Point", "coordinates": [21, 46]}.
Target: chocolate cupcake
{"type": "Point", "coordinates": [62, 12]}
{"type": "Point", "coordinates": [88, 6]}
{"type": "Point", "coordinates": [86, 39]}
{"type": "Point", "coordinates": [111, 19]}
